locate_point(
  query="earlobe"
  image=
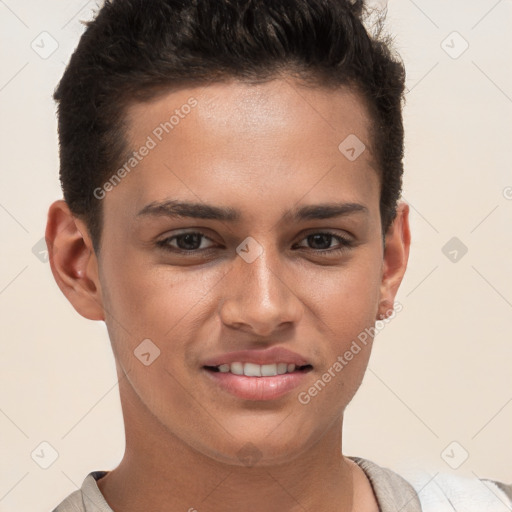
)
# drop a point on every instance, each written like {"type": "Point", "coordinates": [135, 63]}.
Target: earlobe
{"type": "Point", "coordinates": [396, 256]}
{"type": "Point", "coordinates": [73, 261]}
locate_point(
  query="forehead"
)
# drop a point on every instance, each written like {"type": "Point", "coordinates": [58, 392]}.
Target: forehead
{"type": "Point", "coordinates": [255, 109]}
{"type": "Point", "coordinates": [272, 138]}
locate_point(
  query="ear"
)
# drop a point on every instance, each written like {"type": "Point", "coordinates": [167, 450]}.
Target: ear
{"type": "Point", "coordinates": [73, 261]}
{"type": "Point", "coordinates": [396, 256]}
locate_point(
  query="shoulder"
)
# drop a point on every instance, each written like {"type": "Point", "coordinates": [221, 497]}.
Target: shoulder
{"type": "Point", "coordinates": [86, 499]}
{"type": "Point", "coordinates": [424, 491]}
{"type": "Point", "coordinates": [505, 488]}
{"type": "Point", "coordinates": [73, 503]}
{"type": "Point", "coordinates": [440, 492]}
{"type": "Point", "coordinates": [392, 491]}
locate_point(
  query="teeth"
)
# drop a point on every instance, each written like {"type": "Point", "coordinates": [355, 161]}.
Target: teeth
{"type": "Point", "coordinates": [257, 370]}
{"type": "Point", "coordinates": [252, 370]}
{"type": "Point", "coordinates": [268, 370]}
{"type": "Point", "coordinates": [237, 368]}
{"type": "Point", "coordinates": [282, 368]}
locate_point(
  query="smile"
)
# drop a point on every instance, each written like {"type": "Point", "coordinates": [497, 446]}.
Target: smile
{"type": "Point", "coordinates": [257, 370]}
{"type": "Point", "coordinates": [249, 381]}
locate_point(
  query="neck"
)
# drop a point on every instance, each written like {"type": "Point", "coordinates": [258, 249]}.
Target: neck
{"type": "Point", "coordinates": [159, 471]}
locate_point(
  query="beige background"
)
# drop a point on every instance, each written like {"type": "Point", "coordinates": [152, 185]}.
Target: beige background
{"type": "Point", "coordinates": [441, 370]}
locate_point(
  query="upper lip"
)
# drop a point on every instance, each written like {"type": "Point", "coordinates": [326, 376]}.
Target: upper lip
{"type": "Point", "coordinates": [267, 356]}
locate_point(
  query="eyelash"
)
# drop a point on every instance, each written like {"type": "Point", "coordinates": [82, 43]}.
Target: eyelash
{"type": "Point", "coordinates": [345, 244]}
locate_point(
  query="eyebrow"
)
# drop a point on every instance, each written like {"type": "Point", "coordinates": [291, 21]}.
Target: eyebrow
{"type": "Point", "coordinates": [183, 209]}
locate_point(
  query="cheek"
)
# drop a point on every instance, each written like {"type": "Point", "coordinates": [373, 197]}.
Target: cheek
{"type": "Point", "coordinates": [343, 304]}
{"type": "Point", "coordinates": [141, 293]}
{"type": "Point", "coordinates": [148, 312]}
{"type": "Point", "coordinates": [156, 302]}
{"type": "Point", "coordinates": [346, 298]}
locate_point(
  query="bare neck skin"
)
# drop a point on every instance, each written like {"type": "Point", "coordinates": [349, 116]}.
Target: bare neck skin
{"type": "Point", "coordinates": [160, 472]}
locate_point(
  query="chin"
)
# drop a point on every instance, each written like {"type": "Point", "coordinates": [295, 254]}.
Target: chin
{"type": "Point", "coordinates": [261, 450]}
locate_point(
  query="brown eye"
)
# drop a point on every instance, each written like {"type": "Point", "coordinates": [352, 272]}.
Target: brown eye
{"type": "Point", "coordinates": [326, 243]}
{"type": "Point", "coordinates": [320, 240]}
{"type": "Point", "coordinates": [189, 241]}
{"type": "Point", "coordinates": [185, 242]}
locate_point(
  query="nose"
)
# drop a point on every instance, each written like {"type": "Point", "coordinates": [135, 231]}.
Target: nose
{"type": "Point", "coordinates": [259, 297]}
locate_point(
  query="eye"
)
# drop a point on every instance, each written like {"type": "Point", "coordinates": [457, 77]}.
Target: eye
{"type": "Point", "coordinates": [195, 242]}
{"type": "Point", "coordinates": [321, 243]}
{"type": "Point", "coordinates": [184, 242]}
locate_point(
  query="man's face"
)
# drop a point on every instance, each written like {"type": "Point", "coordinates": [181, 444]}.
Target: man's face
{"type": "Point", "coordinates": [200, 289]}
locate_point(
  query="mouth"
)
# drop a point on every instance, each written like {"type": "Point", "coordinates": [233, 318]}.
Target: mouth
{"type": "Point", "coordinates": [255, 382]}
{"type": "Point", "coordinates": [259, 370]}
{"type": "Point", "coordinates": [257, 374]}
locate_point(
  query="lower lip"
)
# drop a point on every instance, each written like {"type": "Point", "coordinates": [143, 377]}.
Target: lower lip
{"type": "Point", "coordinates": [258, 388]}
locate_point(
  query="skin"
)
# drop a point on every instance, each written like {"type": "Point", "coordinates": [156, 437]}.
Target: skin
{"type": "Point", "coordinates": [262, 150]}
